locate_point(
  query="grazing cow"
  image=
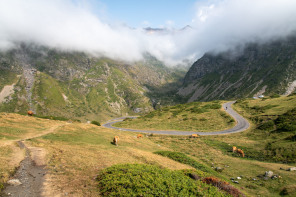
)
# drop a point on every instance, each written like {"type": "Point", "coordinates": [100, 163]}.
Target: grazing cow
{"type": "Point", "coordinates": [241, 152]}
{"type": "Point", "coordinates": [115, 140]}
{"type": "Point", "coordinates": [234, 149]}
{"type": "Point", "coordinates": [30, 113]}
{"type": "Point", "coordinates": [139, 136]}
{"type": "Point", "coordinates": [194, 136]}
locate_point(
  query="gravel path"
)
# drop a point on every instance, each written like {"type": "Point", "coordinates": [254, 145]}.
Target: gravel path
{"type": "Point", "coordinates": [29, 179]}
{"type": "Point", "coordinates": [241, 125]}
{"type": "Point", "coordinates": [30, 176]}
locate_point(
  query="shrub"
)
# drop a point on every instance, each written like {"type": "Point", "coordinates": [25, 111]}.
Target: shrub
{"type": "Point", "coordinates": [275, 96]}
{"type": "Point", "coordinates": [95, 123]}
{"type": "Point", "coordinates": [182, 158]}
{"type": "Point", "coordinates": [269, 125]}
{"type": "Point", "coordinates": [149, 180]}
{"type": "Point", "coordinates": [127, 119]}
{"type": "Point", "coordinates": [281, 152]}
{"type": "Point", "coordinates": [287, 121]}
{"type": "Point", "coordinates": [291, 138]}
{"type": "Point", "coordinates": [223, 186]}
{"type": "Point", "coordinates": [215, 106]}
{"type": "Point", "coordinates": [53, 117]}
{"type": "Point", "coordinates": [289, 190]}
{"type": "Point", "coordinates": [198, 110]}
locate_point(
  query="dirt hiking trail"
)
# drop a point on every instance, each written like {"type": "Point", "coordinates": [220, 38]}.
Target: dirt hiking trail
{"type": "Point", "coordinates": [30, 178]}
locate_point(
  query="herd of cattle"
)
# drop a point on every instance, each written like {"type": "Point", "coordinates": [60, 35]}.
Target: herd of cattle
{"type": "Point", "coordinates": [234, 148]}
{"type": "Point", "coordinates": [116, 140]}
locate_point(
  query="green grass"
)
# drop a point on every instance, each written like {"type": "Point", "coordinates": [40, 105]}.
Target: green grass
{"type": "Point", "coordinates": [275, 128]}
{"type": "Point", "coordinates": [5, 170]}
{"type": "Point", "coordinates": [7, 78]}
{"type": "Point", "coordinates": [182, 158]}
{"type": "Point", "coordinates": [76, 136]}
{"type": "Point", "coordinates": [196, 116]}
{"type": "Point", "coordinates": [11, 133]}
{"type": "Point", "coordinates": [149, 180]}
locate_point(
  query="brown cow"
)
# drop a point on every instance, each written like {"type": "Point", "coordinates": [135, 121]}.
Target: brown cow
{"type": "Point", "coordinates": [234, 149]}
{"type": "Point", "coordinates": [115, 140]}
{"type": "Point", "coordinates": [194, 136]}
{"type": "Point", "coordinates": [30, 113]}
{"type": "Point", "coordinates": [139, 136]}
{"type": "Point", "coordinates": [241, 152]}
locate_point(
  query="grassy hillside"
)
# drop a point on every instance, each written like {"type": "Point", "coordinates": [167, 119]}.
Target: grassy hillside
{"type": "Point", "coordinates": [274, 128]}
{"type": "Point", "coordinates": [80, 86]}
{"type": "Point", "coordinates": [83, 150]}
{"type": "Point", "coordinates": [255, 69]}
{"type": "Point", "coordinates": [196, 116]}
{"type": "Point", "coordinates": [86, 152]}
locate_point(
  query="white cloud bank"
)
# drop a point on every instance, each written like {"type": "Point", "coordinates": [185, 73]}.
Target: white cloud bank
{"type": "Point", "coordinates": [71, 25]}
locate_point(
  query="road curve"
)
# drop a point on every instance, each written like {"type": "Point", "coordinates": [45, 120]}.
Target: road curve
{"type": "Point", "coordinates": [241, 125]}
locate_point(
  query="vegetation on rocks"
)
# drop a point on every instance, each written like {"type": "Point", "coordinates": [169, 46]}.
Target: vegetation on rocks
{"type": "Point", "coordinates": [149, 180]}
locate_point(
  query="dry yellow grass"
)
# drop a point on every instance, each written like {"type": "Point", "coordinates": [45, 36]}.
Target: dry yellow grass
{"type": "Point", "coordinates": [75, 152]}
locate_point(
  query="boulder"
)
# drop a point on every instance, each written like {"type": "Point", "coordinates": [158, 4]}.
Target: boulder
{"type": "Point", "coordinates": [219, 169]}
{"type": "Point", "coordinates": [268, 174]}
{"type": "Point", "coordinates": [274, 177]}
{"type": "Point", "coordinates": [194, 176]}
{"type": "Point", "coordinates": [292, 169]}
{"type": "Point", "coordinates": [14, 182]}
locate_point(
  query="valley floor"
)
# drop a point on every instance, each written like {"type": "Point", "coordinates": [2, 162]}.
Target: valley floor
{"type": "Point", "coordinates": [75, 153]}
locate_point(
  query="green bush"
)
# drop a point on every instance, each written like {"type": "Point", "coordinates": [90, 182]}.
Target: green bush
{"type": "Point", "coordinates": [53, 118]}
{"type": "Point", "coordinates": [269, 125]}
{"type": "Point", "coordinates": [289, 190]}
{"type": "Point", "coordinates": [1, 187]}
{"type": "Point", "coordinates": [182, 158]}
{"type": "Point", "coordinates": [95, 123]}
{"type": "Point", "coordinates": [149, 180]}
{"type": "Point", "coordinates": [275, 96]}
{"type": "Point", "coordinates": [281, 152]}
{"type": "Point", "coordinates": [287, 121]}
{"type": "Point", "coordinates": [127, 119]}
{"type": "Point", "coordinates": [198, 110]}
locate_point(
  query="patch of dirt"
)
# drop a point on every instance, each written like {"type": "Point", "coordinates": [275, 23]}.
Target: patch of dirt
{"type": "Point", "coordinates": [291, 87]}
{"type": "Point", "coordinates": [5, 92]}
{"type": "Point", "coordinates": [30, 173]}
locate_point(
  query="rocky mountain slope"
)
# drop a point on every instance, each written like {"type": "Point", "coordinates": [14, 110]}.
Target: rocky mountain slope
{"type": "Point", "coordinates": [254, 70]}
{"type": "Point", "coordinates": [77, 85]}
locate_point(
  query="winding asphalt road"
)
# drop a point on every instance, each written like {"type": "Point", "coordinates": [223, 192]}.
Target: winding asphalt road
{"type": "Point", "coordinates": [241, 125]}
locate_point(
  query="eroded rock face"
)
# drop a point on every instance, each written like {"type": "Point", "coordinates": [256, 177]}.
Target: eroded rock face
{"type": "Point", "coordinates": [78, 85]}
{"type": "Point", "coordinates": [243, 73]}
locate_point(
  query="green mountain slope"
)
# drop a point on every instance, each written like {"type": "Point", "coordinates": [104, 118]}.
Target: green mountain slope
{"type": "Point", "coordinates": [77, 85]}
{"type": "Point", "coordinates": [257, 69]}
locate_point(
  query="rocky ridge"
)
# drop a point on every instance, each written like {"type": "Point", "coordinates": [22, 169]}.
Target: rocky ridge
{"type": "Point", "coordinates": [250, 71]}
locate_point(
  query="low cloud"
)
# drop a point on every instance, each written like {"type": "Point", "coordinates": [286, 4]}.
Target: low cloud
{"type": "Point", "coordinates": [71, 25]}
